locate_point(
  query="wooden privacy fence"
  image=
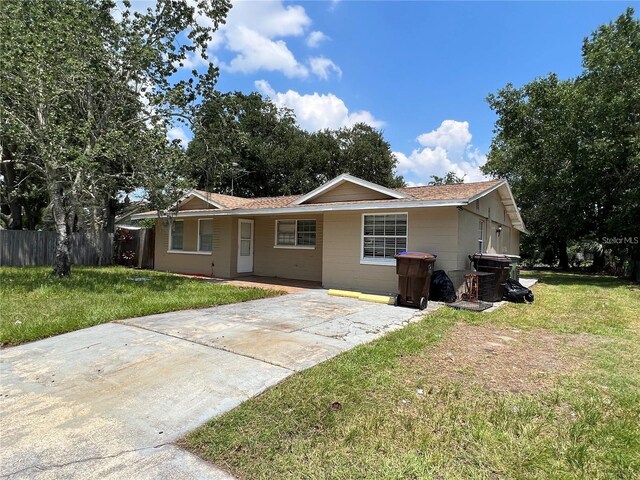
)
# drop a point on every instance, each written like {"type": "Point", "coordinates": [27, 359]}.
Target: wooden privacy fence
{"type": "Point", "coordinates": [19, 248]}
{"type": "Point", "coordinates": [135, 248]}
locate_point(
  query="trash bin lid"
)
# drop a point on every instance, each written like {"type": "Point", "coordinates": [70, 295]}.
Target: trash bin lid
{"type": "Point", "coordinates": [416, 255]}
{"type": "Point", "coordinates": [490, 256]}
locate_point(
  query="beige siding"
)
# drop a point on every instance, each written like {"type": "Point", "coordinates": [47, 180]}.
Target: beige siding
{"type": "Point", "coordinates": [216, 263]}
{"type": "Point", "coordinates": [432, 230]}
{"type": "Point", "coordinates": [493, 212]}
{"type": "Point", "coordinates": [348, 192]}
{"type": "Point", "coordinates": [468, 236]}
{"type": "Point", "coordinates": [515, 242]}
{"type": "Point", "coordinates": [196, 203]}
{"type": "Point", "coordinates": [299, 264]}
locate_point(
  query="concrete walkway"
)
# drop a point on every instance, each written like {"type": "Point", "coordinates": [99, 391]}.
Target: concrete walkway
{"type": "Point", "coordinates": [110, 401]}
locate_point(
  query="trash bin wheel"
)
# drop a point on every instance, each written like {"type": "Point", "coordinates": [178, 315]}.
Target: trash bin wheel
{"type": "Point", "coordinates": [396, 300]}
{"type": "Point", "coordinates": [423, 303]}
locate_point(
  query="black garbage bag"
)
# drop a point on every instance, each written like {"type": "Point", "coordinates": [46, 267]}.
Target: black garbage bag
{"type": "Point", "coordinates": [517, 293]}
{"type": "Point", "coordinates": [441, 288]}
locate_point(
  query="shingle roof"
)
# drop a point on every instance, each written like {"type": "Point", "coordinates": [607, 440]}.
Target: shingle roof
{"type": "Point", "coordinates": [454, 192]}
{"type": "Point", "coordinates": [457, 191]}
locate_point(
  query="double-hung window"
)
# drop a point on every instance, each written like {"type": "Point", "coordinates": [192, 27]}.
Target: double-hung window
{"type": "Point", "coordinates": [296, 233]}
{"type": "Point", "coordinates": [383, 237]}
{"type": "Point", "coordinates": [177, 235]}
{"type": "Point", "coordinates": [205, 235]}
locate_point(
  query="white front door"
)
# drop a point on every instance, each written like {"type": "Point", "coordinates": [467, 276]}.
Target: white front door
{"type": "Point", "coordinates": [245, 246]}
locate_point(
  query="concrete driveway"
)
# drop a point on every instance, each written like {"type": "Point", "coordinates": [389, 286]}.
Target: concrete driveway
{"type": "Point", "coordinates": [109, 401]}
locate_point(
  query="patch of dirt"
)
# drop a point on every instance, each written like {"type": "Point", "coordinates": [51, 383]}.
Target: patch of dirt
{"type": "Point", "coordinates": [504, 359]}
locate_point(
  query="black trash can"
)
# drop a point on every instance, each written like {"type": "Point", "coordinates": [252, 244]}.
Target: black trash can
{"type": "Point", "coordinates": [500, 266]}
{"type": "Point", "coordinates": [414, 271]}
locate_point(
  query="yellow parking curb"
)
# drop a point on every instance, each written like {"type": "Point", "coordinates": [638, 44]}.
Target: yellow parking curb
{"type": "Point", "coordinates": [386, 299]}
{"type": "Point", "coordinates": [365, 297]}
{"type": "Point", "coordinates": [344, 293]}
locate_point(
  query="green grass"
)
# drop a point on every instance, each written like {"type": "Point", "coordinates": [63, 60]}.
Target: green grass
{"type": "Point", "coordinates": [34, 304]}
{"type": "Point", "coordinates": [586, 424]}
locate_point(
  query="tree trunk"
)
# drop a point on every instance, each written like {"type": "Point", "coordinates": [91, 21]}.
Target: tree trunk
{"type": "Point", "coordinates": [563, 255]}
{"type": "Point", "coordinates": [599, 261]}
{"type": "Point", "coordinates": [62, 261]}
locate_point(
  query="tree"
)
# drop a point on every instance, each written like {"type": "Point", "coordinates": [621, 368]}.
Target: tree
{"type": "Point", "coordinates": [532, 149]}
{"type": "Point", "coordinates": [87, 98]}
{"type": "Point", "coordinates": [245, 145]}
{"type": "Point", "coordinates": [610, 132]}
{"type": "Point", "coordinates": [449, 179]}
{"type": "Point", "coordinates": [570, 148]}
{"type": "Point", "coordinates": [362, 151]}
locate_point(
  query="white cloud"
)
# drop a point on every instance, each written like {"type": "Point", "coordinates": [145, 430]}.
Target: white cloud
{"type": "Point", "coordinates": [317, 111]}
{"type": "Point", "coordinates": [195, 60]}
{"type": "Point", "coordinates": [323, 67]}
{"type": "Point", "coordinates": [445, 149]}
{"type": "Point", "coordinates": [269, 18]}
{"type": "Point", "coordinates": [257, 52]}
{"type": "Point", "coordinates": [315, 38]}
{"type": "Point", "coordinates": [178, 133]}
{"type": "Point", "coordinates": [255, 32]}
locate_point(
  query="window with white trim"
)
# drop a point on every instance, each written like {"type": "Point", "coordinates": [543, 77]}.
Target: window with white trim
{"type": "Point", "coordinates": [295, 233]}
{"type": "Point", "coordinates": [177, 235]}
{"type": "Point", "coordinates": [383, 236]}
{"type": "Point", "coordinates": [481, 236]}
{"type": "Point", "coordinates": [205, 235]}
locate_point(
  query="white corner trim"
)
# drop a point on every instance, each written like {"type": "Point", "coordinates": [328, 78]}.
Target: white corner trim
{"type": "Point", "coordinates": [189, 252]}
{"type": "Point", "coordinates": [345, 177]}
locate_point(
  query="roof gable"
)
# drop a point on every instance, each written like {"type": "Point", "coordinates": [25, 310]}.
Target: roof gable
{"type": "Point", "coordinates": [347, 188]}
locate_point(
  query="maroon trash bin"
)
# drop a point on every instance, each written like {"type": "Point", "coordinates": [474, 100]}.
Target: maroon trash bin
{"type": "Point", "coordinates": [414, 271]}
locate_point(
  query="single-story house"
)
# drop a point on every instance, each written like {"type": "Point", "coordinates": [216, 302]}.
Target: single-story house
{"type": "Point", "coordinates": [344, 233]}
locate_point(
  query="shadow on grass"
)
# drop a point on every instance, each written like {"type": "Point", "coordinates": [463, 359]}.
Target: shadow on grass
{"type": "Point", "coordinates": [577, 279]}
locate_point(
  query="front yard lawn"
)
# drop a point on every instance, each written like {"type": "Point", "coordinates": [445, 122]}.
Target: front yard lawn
{"type": "Point", "coordinates": [34, 304]}
{"type": "Point", "coordinates": [547, 390]}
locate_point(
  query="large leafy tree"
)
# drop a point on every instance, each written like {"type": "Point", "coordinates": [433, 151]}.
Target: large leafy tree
{"type": "Point", "coordinates": [570, 148]}
{"type": "Point", "coordinates": [245, 145]}
{"type": "Point", "coordinates": [87, 98]}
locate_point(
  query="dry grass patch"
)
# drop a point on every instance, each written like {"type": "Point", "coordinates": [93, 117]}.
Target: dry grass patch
{"type": "Point", "coordinates": [502, 360]}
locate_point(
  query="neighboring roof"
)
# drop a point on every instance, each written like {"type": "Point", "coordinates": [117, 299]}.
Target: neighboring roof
{"type": "Point", "coordinates": [407, 197]}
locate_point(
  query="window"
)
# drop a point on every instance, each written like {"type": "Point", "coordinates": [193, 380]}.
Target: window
{"type": "Point", "coordinates": [205, 235]}
{"type": "Point", "coordinates": [383, 237]}
{"type": "Point", "coordinates": [296, 233]}
{"type": "Point", "coordinates": [177, 235]}
{"type": "Point", "coordinates": [481, 236]}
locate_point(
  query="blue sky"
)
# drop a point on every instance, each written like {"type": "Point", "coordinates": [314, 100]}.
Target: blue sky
{"type": "Point", "coordinates": [420, 71]}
